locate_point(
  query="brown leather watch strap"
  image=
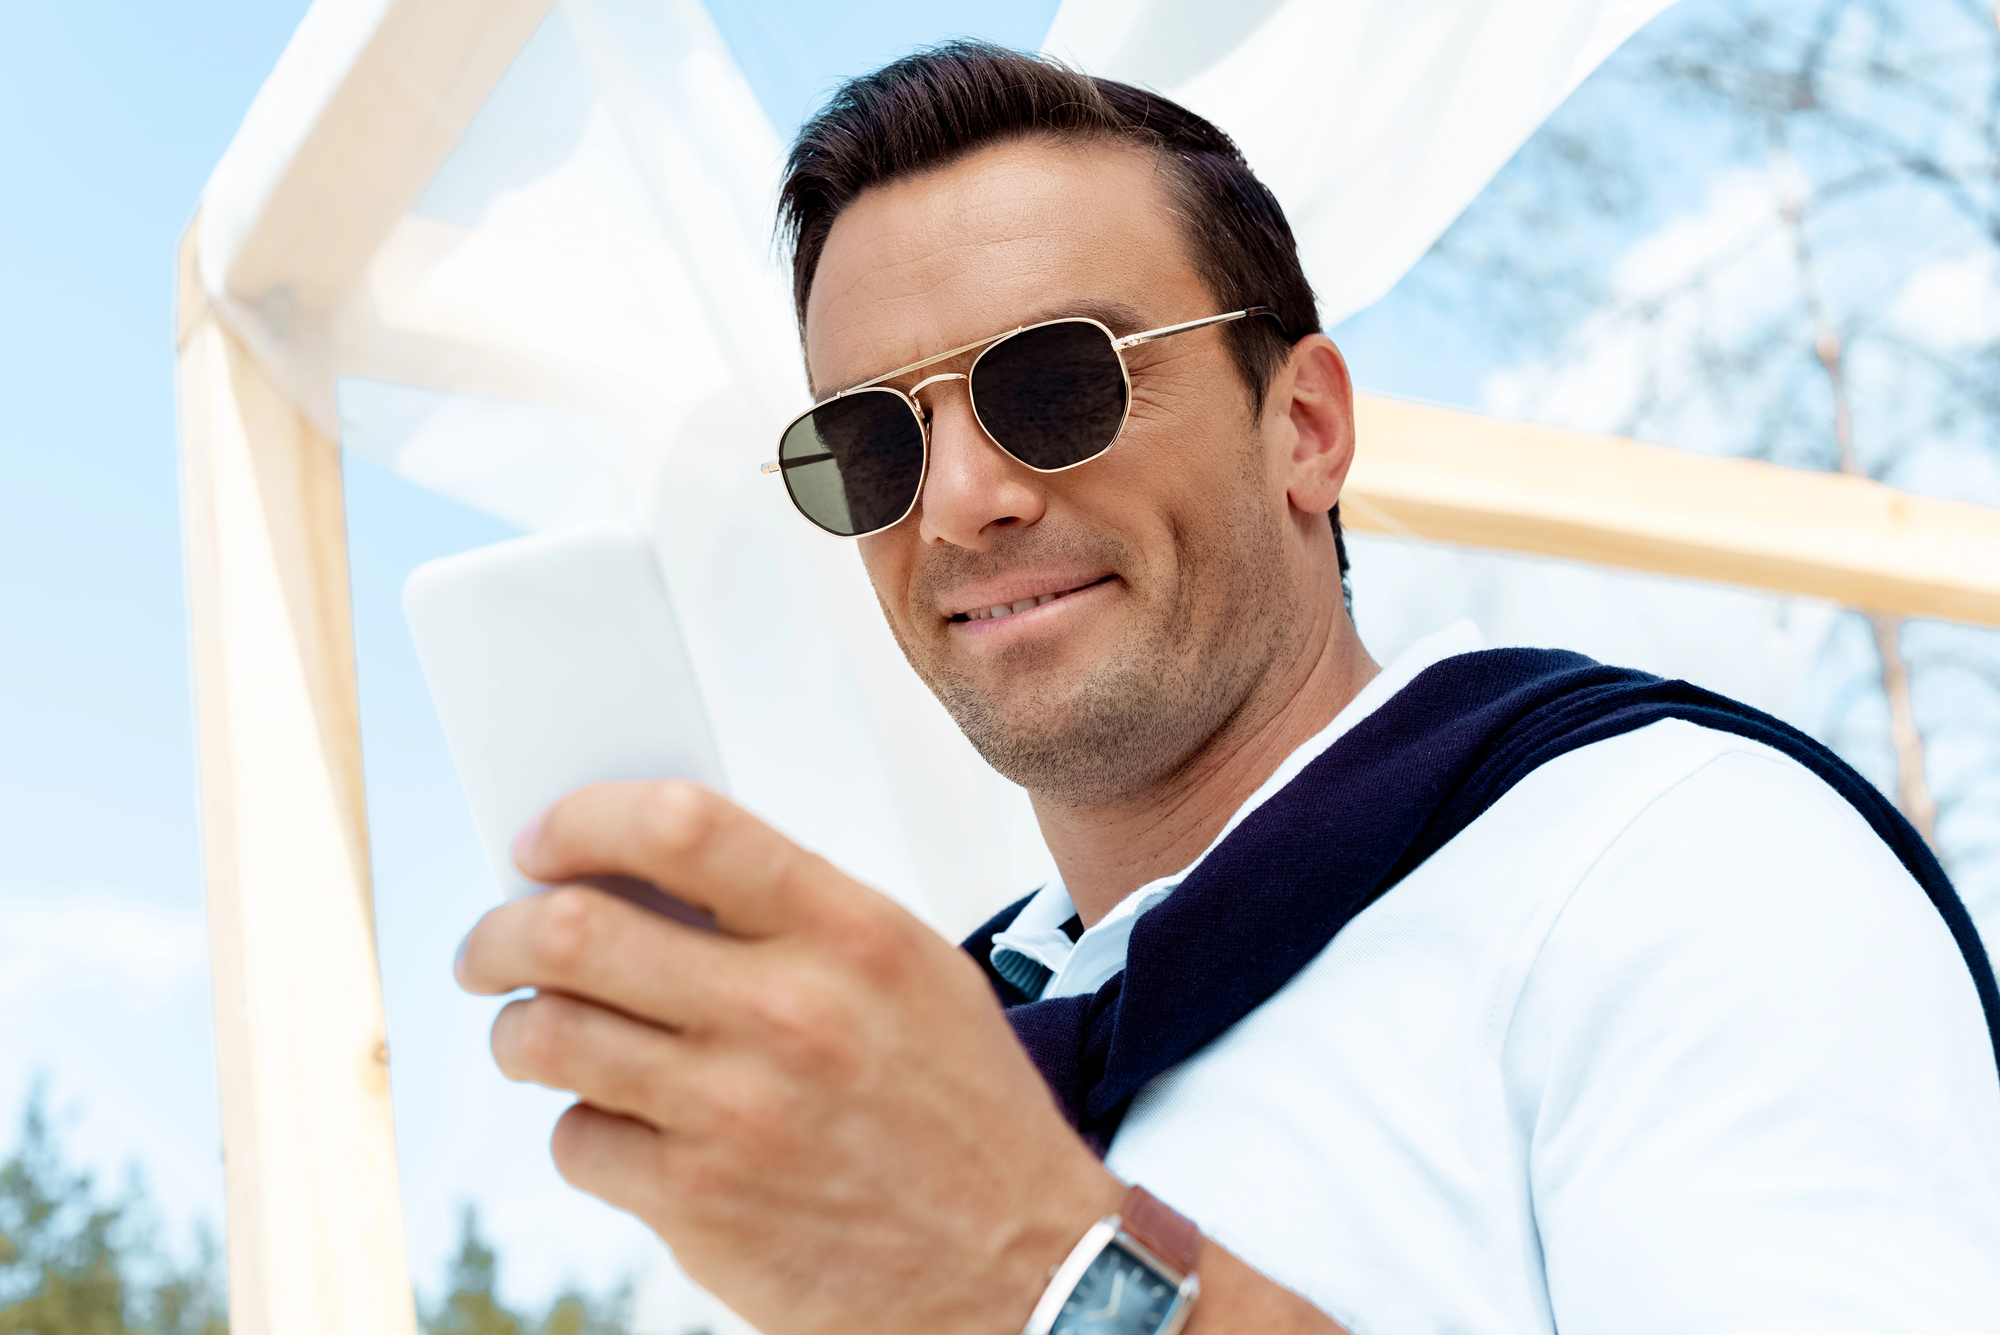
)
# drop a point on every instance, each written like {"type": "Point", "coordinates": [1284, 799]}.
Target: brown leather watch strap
{"type": "Point", "coordinates": [1161, 1229]}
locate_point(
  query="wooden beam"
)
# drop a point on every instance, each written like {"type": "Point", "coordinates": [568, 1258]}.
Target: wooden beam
{"type": "Point", "coordinates": [1458, 477]}
{"type": "Point", "coordinates": [315, 1216]}
{"type": "Point", "coordinates": [317, 177]}
{"type": "Point", "coordinates": [387, 123]}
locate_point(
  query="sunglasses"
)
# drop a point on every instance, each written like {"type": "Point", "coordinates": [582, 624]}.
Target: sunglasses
{"type": "Point", "coordinates": [1052, 395]}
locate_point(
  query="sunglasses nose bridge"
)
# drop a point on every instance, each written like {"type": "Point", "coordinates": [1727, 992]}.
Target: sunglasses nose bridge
{"type": "Point", "coordinates": [925, 384]}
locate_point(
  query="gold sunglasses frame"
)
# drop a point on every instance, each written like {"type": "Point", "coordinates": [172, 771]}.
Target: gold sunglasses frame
{"type": "Point", "coordinates": [986, 345]}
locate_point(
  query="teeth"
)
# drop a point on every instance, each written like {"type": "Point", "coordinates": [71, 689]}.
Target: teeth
{"type": "Point", "coordinates": [998, 610]}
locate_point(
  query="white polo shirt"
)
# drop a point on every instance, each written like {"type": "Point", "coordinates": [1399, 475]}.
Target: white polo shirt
{"type": "Point", "coordinates": [1665, 1041]}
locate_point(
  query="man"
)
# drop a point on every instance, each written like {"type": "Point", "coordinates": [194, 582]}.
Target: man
{"type": "Point", "coordinates": [1480, 992]}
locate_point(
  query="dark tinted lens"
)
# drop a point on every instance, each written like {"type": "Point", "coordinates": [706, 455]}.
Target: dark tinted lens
{"type": "Point", "coordinates": [1052, 396]}
{"type": "Point", "coordinates": [854, 465]}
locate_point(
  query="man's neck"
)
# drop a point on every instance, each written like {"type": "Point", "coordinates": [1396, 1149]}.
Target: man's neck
{"type": "Point", "coordinates": [1107, 850]}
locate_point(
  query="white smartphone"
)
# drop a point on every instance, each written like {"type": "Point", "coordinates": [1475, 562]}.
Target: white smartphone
{"type": "Point", "coordinates": [555, 660]}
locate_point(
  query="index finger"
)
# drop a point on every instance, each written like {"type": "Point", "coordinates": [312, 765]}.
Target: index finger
{"type": "Point", "coordinates": [687, 840]}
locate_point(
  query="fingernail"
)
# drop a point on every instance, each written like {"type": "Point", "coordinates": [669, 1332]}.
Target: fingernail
{"type": "Point", "coordinates": [524, 842]}
{"type": "Point", "coordinates": [458, 957]}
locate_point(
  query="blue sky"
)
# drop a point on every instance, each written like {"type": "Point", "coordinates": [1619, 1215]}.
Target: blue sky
{"type": "Point", "coordinates": [111, 117]}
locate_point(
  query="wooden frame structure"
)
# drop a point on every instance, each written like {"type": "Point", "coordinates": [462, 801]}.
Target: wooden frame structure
{"type": "Point", "coordinates": [315, 1228]}
{"type": "Point", "coordinates": [315, 1216]}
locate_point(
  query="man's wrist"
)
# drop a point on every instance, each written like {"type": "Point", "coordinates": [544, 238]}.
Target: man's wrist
{"type": "Point", "coordinates": [1044, 1240]}
{"type": "Point", "coordinates": [1234, 1296]}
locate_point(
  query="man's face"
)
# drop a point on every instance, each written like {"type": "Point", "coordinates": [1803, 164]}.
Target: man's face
{"type": "Point", "coordinates": [1147, 592]}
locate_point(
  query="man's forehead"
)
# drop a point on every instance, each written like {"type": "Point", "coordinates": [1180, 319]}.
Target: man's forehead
{"type": "Point", "coordinates": [1008, 236]}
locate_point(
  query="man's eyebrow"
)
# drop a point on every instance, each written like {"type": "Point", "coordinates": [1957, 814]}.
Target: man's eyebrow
{"type": "Point", "coordinates": [1114, 315]}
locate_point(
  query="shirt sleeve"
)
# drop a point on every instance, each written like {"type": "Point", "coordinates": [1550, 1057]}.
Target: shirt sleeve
{"type": "Point", "coordinates": [1755, 1080]}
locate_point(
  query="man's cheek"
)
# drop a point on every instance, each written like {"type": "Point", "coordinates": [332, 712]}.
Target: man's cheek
{"type": "Point", "coordinates": [891, 578]}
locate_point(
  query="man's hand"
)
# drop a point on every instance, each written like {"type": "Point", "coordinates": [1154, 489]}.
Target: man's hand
{"type": "Point", "coordinates": [820, 1108]}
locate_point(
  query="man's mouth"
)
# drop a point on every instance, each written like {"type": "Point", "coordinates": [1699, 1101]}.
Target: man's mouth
{"type": "Point", "coordinates": [1000, 610]}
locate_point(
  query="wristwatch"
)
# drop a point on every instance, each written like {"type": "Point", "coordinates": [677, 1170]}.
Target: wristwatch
{"type": "Point", "coordinates": [1132, 1274]}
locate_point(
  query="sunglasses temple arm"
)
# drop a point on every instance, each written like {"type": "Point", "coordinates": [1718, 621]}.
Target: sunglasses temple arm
{"type": "Point", "coordinates": [1154, 335]}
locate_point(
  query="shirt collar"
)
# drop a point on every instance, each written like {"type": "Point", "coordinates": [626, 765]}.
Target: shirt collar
{"type": "Point", "coordinates": [1044, 954]}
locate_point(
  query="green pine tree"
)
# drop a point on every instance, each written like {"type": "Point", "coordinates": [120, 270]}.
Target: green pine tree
{"type": "Point", "coordinates": [72, 1264]}
{"type": "Point", "coordinates": [470, 1308]}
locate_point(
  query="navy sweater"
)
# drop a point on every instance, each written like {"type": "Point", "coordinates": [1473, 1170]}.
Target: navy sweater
{"type": "Point", "coordinates": [1385, 796]}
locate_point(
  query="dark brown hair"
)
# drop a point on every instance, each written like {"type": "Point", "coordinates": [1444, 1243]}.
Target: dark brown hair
{"type": "Point", "coordinates": [929, 109]}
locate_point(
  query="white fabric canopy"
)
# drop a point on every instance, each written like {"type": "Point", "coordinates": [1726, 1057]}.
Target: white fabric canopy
{"type": "Point", "coordinates": [583, 316]}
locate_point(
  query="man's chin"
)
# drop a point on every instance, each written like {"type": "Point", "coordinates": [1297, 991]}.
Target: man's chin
{"type": "Point", "coordinates": [1067, 738]}
{"type": "Point", "coordinates": [1025, 690]}
{"type": "Point", "coordinates": [1024, 679]}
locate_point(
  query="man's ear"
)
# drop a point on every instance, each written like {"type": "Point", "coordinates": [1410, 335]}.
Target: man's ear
{"type": "Point", "coordinates": [1321, 410]}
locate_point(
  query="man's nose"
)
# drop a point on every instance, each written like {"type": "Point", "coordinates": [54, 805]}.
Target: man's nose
{"type": "Point", "coordinates": [973, 488]}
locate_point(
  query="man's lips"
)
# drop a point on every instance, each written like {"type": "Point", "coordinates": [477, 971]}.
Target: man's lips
{"type": "Point", "coordinates": [998, 601]}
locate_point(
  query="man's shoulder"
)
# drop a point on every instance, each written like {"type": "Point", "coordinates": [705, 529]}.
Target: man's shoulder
{"type": "Point", "coordinates": [1692, 829]}
{"type": "Point", "coordinates": [1601, 790]}
{"type": "Point", "coordinates": [1542, 836]}
{"type": "Point", "coordinates": [1684, 829]}
{"type": "Point", "coordinates": [1749, 1013]}
{"type": "Point", "coordinates": [1738, 903]}
{"type": "Point", "coordinates": [1679, 850]}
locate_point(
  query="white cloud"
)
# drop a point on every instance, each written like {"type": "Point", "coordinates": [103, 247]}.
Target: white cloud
{"type": "Point", "coordinates": [1737, 208]}
{"type": "Point", "coordinates": [1614, 363]}
{"type": "Point", "coordinates": [1953, 302]}
{"type": "Point", "coordinates": [54, 939]}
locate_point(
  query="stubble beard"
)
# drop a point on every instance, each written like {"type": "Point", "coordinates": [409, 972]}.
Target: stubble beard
{"type": "Point", "coordinates": [1152, 706]}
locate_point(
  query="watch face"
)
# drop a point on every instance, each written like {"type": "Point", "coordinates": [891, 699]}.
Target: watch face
{"type": "Point", "coordinates": [1118, 1295]}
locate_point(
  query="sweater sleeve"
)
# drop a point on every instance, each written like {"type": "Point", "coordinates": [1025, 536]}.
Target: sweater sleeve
{"type": "Point", "coordinates": [1755, 1080]}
